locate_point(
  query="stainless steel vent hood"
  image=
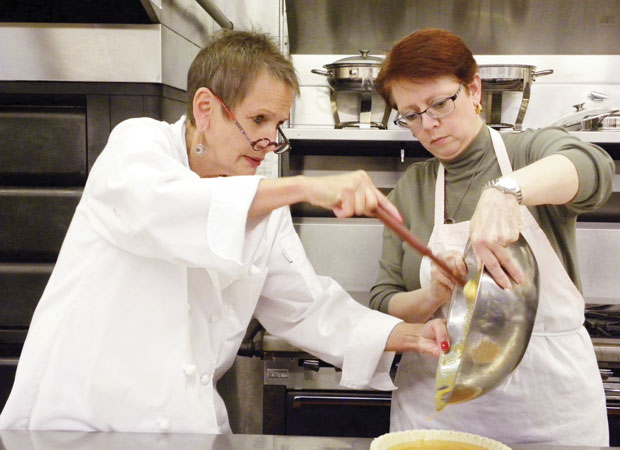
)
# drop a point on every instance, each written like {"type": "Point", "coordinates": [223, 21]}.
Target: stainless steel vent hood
{"type": "Point", "coordinates": [498, 27]}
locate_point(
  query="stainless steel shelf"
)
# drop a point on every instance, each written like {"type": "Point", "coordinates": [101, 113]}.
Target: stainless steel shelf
{"type": "Point", "coordinates": [356, 134]}
{"type": "Point", "coordinates": [598, 136]}
{"type": "Point", "coordinates": [348, 134]}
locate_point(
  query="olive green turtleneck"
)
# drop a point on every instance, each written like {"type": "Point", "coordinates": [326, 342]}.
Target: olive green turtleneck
{"type": "Point", "coordinates": [414, 195]}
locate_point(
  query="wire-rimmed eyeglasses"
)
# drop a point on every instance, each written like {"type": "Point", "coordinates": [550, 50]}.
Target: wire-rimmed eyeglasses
{"type": "Point", "coordinates": [439, 108]}
{"type": "Point", "coordinates": [262, 143]}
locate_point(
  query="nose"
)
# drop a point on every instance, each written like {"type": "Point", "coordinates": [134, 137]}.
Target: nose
{"type": "Point", "coordinates": [274, 135]}
{"type": "Point", "coordinates": [428, 122]}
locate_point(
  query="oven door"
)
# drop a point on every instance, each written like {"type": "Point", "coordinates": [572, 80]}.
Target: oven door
{"type": "Point", "coordinates": [337, 413]}
{"type": "Point", "coordinates": [611, 384]}
{"type": "Point", "coordinates": [8, 366]}
{"type": "Point", "coordinates": [312, 412]}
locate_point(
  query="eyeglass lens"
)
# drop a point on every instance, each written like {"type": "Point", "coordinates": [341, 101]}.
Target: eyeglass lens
{"type": "Point", "coordinates": [262, 144]}
{"type": "Point", "coordinates": [440, 108]}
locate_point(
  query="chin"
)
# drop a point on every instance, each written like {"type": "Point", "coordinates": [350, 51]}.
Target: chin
{"type": "Point", "coordinates": [445, 153]}
{"type": "Point", "coordinates": [450, 155]}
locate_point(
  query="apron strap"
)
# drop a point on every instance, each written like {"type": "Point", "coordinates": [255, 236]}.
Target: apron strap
{"type": "Point", "coordinates": [500, 151]}
{"type": "Point", "coordinates": [440, 195]}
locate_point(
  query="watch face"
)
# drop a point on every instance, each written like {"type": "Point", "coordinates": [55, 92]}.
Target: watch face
{"type": "Point", "coordinates": [509, 183]}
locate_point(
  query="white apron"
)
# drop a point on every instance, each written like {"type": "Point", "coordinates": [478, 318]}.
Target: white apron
{"type": "Point", "coordinates": [554, 396]}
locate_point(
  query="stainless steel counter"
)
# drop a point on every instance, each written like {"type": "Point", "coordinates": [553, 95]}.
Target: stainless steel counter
{"type": "Point", "coordinates": [54, 440]}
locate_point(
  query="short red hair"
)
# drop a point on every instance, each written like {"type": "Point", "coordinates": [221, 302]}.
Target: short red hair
{"type": "Point", "coordinates": [426, 54]}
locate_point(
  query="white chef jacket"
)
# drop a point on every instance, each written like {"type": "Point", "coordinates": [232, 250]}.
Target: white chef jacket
{"type": "Point", "coordinates": [155, 284]}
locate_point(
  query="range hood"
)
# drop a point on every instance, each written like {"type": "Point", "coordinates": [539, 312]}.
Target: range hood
{"type": "Point", "coordinates": [138, 41]}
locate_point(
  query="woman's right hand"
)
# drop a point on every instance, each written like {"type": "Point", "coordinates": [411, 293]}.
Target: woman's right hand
{"type": "Point", "coordinates": [494, 226]}
{"type": "Point", "coordinates": [348, 194]}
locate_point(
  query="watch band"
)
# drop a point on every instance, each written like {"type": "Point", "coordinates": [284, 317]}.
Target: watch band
{"type": "Point", "coordinates": [507, 185]}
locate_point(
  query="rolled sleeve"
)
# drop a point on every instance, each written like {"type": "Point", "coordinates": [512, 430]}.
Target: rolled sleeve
{"type": "Point", "coordinates": [365, 361]}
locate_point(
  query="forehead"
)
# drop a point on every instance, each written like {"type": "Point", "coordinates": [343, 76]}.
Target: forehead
{"type": "Point", "coordinates": [268, 94]}
{"type": "Point", "coordinates": [418, 94]}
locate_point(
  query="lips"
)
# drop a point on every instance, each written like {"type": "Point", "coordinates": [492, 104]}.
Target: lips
{"type": "Point", "coordinates": [439, 140]}
{"type": "Point", "coordinates": [255, 162]}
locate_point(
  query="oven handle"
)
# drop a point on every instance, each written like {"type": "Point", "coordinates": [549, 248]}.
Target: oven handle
{"type": "Point", "coordinates": [314, 400]}
{"type": "Point", "coordinates": [8, 361]}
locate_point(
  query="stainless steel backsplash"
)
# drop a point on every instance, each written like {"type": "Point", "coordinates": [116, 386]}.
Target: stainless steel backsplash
{"type": "Point", "coordinates": [507, 27]}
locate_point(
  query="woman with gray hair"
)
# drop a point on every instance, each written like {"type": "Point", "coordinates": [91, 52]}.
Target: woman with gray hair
{"type": "Point", "coordinates": [176, 245]}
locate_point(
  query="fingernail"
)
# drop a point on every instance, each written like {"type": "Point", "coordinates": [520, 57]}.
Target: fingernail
{"type": "Point", "coordinates": [445, 346]}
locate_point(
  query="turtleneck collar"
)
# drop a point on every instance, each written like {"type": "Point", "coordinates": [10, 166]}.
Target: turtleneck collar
{"type": "Point", "coordinates": [463, 164]}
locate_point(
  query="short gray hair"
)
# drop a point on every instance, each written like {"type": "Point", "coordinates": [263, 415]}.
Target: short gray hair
{"type": "Point", "coordinates": [231, 62]}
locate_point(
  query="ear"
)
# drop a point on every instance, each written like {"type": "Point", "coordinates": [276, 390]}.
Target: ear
{"type": "Point", "coordinates": [475, 89]}
{"type": "Point", "coordinates": [203, 107]}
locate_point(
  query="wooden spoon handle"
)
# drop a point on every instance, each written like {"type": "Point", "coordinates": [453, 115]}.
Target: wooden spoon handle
{"type": "Point", "coordinates": [408, 237]}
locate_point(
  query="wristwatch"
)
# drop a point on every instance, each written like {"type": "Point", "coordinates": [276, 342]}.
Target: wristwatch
{"type": "Point", "coordinates": [507, 185]}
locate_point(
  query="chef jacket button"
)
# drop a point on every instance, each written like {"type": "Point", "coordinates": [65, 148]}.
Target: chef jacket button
{"type": "Point", "coordinates": [215, 317]}
{"type": "Point", "coordinates": [162, 423]}
{"type": "Point", "coordinates": [189, 369]}
{"type": "Point", "coordinates": [205, 379]}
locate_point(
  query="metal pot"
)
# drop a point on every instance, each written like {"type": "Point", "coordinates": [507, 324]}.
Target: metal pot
{"type": "Point", "coordinates": [498, 79]}
{"type": "Point", "coordinates": [510, 77]}
{"type": "Point", "coordinates": [585, 119]}
{"type": "Point", "coordinates": [352, 91]}
{"type": "Point", "coordinates": [611, 122]}
{"type": "Point", "coordinates": [354, 73]}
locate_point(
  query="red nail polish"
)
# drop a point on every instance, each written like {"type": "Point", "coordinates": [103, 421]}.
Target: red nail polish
{"type": "Point", "coordinates": [445, 346]}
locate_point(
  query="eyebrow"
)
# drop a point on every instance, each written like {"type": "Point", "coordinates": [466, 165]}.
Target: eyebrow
{"type": "Point", "coordinates": [429, 103]}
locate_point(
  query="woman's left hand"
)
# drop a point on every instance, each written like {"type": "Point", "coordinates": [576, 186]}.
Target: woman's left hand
{"type": "Point", "coordinates": [494, 226]}
{"type": "Point", "coordinates": [430, 338]}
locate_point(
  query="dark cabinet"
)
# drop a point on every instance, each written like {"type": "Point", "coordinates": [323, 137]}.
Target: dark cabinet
{"type": "Point", "coordinates": [37, 223]}
{"type": "Point", "coordinates": [43, 146]}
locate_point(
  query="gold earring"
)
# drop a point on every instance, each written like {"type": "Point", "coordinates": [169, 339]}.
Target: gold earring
{"type": "Point", "coordinates": [478, 108]}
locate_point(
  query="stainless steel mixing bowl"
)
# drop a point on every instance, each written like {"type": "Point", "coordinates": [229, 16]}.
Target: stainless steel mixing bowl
{"type": "Point", "coordinates": [489, 333]}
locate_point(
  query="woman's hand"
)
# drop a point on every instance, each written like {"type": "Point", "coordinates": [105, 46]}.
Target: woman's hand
{"type": "Point", "coordinates": [420, 305]}
{"type": "Point", "coordinates": [348, 194]}
{"type": "Point", "coordinates": [494, 226]}
{"type": "Point", "coordinates": [430, 338]}
{"type": "Point", "coordinates": [441, 284]}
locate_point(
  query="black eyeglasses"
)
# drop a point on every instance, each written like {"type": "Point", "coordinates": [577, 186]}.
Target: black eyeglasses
{"type": "Point", "coordinates": [440, 108]}
{"type": "Point", "coordinates": [263, 143]}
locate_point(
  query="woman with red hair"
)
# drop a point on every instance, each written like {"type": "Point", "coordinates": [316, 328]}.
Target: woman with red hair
{"type": "Point", "coordinates": [487, 188]}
